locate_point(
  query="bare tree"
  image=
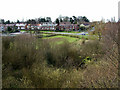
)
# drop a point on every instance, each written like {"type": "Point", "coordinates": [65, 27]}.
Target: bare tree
{"type": "Point", "coordinates": [110, 40]}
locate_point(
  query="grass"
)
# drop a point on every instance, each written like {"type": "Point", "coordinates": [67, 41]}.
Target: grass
{"type": "Point", "coordinates": [62, 31]}
{"type": "Point", "coordinates": [54, 31]}
{"type": "Point", "coordinates": [60, 39]}
{"type": "Point", "coordinates": [45, 34]}
{"type": "Point", "coordinates": [60, 35]}
{"type": "Point", "coordinates": [22, 30]}
{"type": "Point", "coordinates": [26, 31]}
{"type": "Point", "coordinates": [58, 31]}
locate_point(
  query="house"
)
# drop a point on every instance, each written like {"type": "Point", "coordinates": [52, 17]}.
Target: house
{"type": "Point", "coordinates": [2, 27]}
{"type": "Point", "coordinates": [82, 25]}
{"type": "Point", "coordinates": [76, 26]}
{"type": "Point", "coordinates": [28, 26]}
{"type": "Point", "coordinates": [12, 26]}
{"type": "Point", "coordinates": [68, 26]}
{"type": "Point", "coordinates": [65, 26]}
{"type": "Point", "coordinates": [21, 26]}
{"type": "Point", "coordinates": [38, 26]}
{"type": "Point", "coordinates": [48, 26]}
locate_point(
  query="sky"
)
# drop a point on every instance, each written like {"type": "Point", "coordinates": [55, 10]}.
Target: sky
{"type": "Point", "coordinates": [94, 10]}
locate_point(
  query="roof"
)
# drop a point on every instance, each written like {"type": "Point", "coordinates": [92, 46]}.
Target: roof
{"type": "Point", "coordinates": [21, 24]}
{"type": "Point", "coordinates": [65, 22]}
{"type": "Point", "coordinates": [2, 24]}
{"type": "Point", "coordinates": [8, 25]}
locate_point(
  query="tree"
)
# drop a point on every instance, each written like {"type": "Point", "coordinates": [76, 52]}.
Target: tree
{"type": "Point", "coordinates": [31, 21]}
{"type": "Point", "coordinates": [9, 29]}
{"type": "Point", "coordinates": [48, 19]}
{"type": "Point", "coordinates": [57, 21]}
{"type": "Point", "coordinates": [99, 28]}
{"type": "Point", "coordinates": [15, 29]}
{"type": "Point", "coordinates": [85, 19]}
{"type": "Point", "coordinates": [2, 21]}
{"type": "Point", "coordinates": [42, 20]}
{"type": "Point", "coordinates": [7, 22]}
{"type": "Point", "coordinates": [82, 28]}
{"type": "Point", "coordinates": [61, 20]}
{"type": "Point", "coordinates": [71, 20]}
{"type": "Point", "coordinates": [18, 21]}
{"type": "Point", "coordinates": [66, 19]}
{"type": "Point", "coordinates": [110, 39]}
{"type": "Point", "coordinates": [75, 19]}
{"type": "Point", "coordinates": [79, 19]}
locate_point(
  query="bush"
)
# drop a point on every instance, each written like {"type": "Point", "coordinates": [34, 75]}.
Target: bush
{"type": "Point", "coordinates": [93, 49]}
{"type": "Point", "coordinates": [18, 51]}
{"type": "Point", "coordinates": [9, 29]}
{"type": "Point", "coordinates": [29, 62]}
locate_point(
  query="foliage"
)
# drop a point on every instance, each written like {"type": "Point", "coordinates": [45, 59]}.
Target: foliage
{"type": "Point", "coordinates": [7, 22]}
{"type": "Point", "coordinates": [57, 21]}
{"type": "Point", "coordinates": [99, 28]}
{"type": "Point", "coordinates": [29, 62]}
{"type": "Point", "coordinates": [82, 28]}
{"type": "Point", "coordinates": [9, 29]}
{"type": "Point", "coordinates": [85, 19]}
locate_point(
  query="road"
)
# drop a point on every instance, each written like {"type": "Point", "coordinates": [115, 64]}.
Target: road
{"type": "Point", "coordinates": [82, 33]}
{"type": "Point", "coordinates": [18, 33]}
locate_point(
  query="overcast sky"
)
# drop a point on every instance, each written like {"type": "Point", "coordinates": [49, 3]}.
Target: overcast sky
{"type": "Point", "coordinates": [93, 9]}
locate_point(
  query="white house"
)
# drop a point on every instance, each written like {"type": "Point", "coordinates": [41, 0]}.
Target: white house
{"type": "Point", "coordinates": [2, 27]}
{"type": "Point", "coordinates": [21, 26]}
{"type": "Point", "coordinates": [82, 25]}
{"type": "Point", "coordinates": [48, 26]}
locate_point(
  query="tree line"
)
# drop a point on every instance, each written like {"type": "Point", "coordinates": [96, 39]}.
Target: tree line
{"type": "Point", "coordinates": [72, 19]}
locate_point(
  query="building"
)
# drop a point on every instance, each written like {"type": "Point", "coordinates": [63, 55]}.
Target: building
{"type": "Point", "coordinates": [2, 21]}
{"type": "Point", "coordinates": [48, 26]}
{"type": "Point", "coordinates": [12, 26]}
{"type": "Point", "coordinates": [2, 27]}
{"type": "Point", "coordinates": [21, 26]}
{"type": "Point", "coordinates": [68, 26]}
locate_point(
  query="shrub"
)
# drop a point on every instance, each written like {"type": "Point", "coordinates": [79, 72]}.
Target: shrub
{"type": "Point", "coordinates": [93, 49]}
{"type": "Point", "coordinates": [18, 52]}
{"type": "Point", "coordinates": [29, 62]}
